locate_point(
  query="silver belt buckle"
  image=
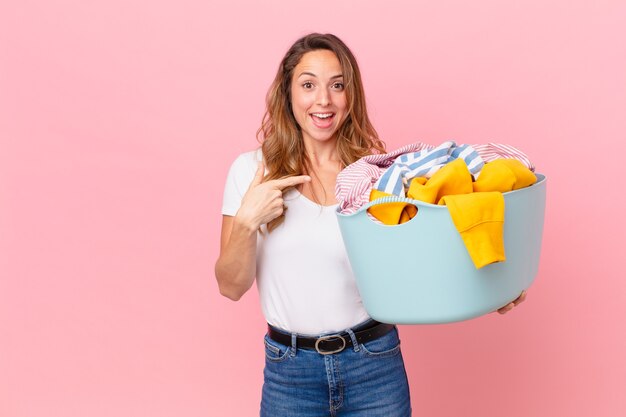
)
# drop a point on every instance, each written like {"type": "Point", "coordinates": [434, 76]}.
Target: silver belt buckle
{"type": "Point", "coordinates": [329, 337]}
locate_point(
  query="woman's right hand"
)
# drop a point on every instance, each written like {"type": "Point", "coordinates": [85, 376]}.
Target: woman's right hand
{"type": "Point", "coordinates": [263, 202]}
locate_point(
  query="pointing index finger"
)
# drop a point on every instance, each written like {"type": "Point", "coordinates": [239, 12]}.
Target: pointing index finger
{"type": "Point", "coordinates": [291, 181]}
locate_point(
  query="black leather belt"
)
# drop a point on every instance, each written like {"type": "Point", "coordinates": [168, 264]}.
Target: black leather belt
{"type": "Point", "coordinates": [332, 343]}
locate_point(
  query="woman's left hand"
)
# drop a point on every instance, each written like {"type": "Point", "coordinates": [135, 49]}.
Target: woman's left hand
{"type": "Point", "coordinates": [509, 306]}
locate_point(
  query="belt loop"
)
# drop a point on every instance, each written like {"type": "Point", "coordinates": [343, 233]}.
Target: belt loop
{"type": "Point", "coordinates": [355, 343]}
{"type": "Point", "coordinates": [294, 344]}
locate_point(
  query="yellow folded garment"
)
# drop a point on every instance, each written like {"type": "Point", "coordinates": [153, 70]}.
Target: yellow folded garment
{"type": "Point", "coordinates": [504, 175]}
{"type": "Point", "coordinates": [391, 213]}
{"type": "Point", "coordinates": [479, 218]}
{"type": "Point", "coordinates": [452, 178]}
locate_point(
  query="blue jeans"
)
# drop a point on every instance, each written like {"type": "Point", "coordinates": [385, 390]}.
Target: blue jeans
{"type": "Point", "coordinates": [364, 380]}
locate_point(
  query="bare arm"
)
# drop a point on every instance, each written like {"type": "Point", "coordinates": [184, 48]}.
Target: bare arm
{"type": "Point", "coordinates": [235, 268]}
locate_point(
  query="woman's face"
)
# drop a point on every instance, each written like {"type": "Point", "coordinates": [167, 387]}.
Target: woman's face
{"type": "Point", "coordinates": [318, 99]}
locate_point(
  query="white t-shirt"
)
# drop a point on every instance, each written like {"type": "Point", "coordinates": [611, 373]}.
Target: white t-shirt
{"type": "Point", "coordinates": [304, 277]}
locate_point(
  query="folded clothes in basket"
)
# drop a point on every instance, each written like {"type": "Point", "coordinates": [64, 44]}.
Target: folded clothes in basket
{"type": "Point", "coordinates": [356, 181]}
{"type": "Point", "coordinates": [476, 208]}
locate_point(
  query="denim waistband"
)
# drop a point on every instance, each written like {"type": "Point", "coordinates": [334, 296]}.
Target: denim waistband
{"type": "Point", "coordinates": [330, 343]}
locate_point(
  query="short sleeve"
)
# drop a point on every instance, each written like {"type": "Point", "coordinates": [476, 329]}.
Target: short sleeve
{"type": "Point", "coordinates": [240, 175]}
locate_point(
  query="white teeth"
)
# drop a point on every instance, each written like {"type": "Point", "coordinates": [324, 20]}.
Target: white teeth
{"type": "Point", "coordinates": [322, 115]}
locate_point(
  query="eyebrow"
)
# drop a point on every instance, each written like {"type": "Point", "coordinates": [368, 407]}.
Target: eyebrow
{"type": "Point", "coordinates": [313, 75]}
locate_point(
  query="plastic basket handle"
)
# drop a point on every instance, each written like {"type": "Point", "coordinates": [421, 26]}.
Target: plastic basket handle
{"type": "Point", "coordinates": [391, 199]}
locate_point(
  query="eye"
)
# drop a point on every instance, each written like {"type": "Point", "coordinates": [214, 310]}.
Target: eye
{"type": "Point", "coordinates": [307, 85]}
{"type": "Point", "coordinates": [338, 86]}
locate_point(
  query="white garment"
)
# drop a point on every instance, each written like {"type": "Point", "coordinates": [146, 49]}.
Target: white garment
{"type": "Point", "coordinates": [304, 277]}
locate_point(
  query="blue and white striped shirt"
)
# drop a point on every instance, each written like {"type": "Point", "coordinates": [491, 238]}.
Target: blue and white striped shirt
{"type": "Point", "coordinates": [395, 180]}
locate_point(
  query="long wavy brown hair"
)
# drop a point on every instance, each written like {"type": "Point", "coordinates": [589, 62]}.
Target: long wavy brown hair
{"type": "Point", "coordinates": [282, 144]}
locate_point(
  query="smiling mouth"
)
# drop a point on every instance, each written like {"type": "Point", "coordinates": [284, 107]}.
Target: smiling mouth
{"type": "Point", "coordinates": [323, 120]}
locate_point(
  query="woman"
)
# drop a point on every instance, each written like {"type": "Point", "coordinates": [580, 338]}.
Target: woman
{"type": "Point", "coordinates": [324, 355]}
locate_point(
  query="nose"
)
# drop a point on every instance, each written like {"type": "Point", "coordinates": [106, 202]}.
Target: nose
{"type": "Point", "coordinates": [323, 97]}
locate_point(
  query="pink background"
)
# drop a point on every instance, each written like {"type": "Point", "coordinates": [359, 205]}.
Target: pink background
{"type": "Point", "coordinates": [118, 121]}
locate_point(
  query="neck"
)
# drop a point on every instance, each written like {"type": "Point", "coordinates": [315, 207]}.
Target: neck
{"type": "Point", "coordinates": [322, 153]}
